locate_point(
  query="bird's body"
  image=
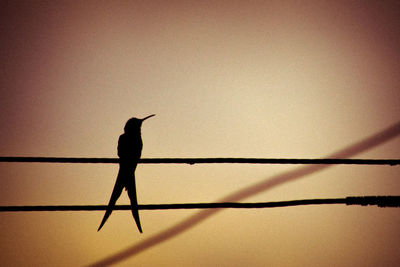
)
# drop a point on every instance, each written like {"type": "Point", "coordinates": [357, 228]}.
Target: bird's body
{"type": "Point", "coordinates": [129, 151]}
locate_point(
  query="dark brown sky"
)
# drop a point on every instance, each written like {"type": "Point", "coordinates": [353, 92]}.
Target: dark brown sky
{"type": "Point", "coordinates": [225, 78]}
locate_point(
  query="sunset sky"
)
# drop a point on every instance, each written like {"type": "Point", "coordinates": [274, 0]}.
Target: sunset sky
{"type": "Point", "coordinates": [267, 79]}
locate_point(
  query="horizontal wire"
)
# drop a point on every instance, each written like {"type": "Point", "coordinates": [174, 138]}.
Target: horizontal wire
{"type": "Point", "coordinates": [380, 201]}
{"type": "Point", "coordinates": [191, 161]}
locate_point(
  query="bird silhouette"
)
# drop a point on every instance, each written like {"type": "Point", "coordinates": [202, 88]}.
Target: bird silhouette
{"type": "Point", "coordinates": [129, 151]}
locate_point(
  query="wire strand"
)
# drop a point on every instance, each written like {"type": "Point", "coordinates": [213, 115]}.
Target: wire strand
{"type": "Point", "coordinates": [192, 161]}
{"type": "Point", "coordinates": [380, 201]}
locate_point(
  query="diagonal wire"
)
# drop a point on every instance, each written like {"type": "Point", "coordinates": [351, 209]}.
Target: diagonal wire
{"type": "Point", "coordinates": [380, 201]}
{"type": "Point", "coordinates": [268, 183]}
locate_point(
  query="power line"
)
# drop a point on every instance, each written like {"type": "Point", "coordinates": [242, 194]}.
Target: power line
{"type": "Point", "coordinates": [380, 201]}
{"type": "Point", "coordinates": [191, 161]}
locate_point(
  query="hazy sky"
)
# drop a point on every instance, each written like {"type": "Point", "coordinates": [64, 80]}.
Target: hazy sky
{"type": "Point", "coordinates": [296, 79]}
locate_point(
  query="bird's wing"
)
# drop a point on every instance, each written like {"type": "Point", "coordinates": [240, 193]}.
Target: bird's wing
{"type": "Point", "coordinates": [113, 199]}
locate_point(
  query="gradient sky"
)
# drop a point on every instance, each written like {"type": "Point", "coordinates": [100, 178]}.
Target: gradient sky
{"type": "Point", "coordinates": [297, 79]}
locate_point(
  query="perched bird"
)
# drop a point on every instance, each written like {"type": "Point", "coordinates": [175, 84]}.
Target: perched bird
{"type": "Point", "coordinates": [129, 151]}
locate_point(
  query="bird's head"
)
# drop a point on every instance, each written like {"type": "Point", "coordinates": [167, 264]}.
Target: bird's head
{"type": "Point", "coordinates": [134, 124]}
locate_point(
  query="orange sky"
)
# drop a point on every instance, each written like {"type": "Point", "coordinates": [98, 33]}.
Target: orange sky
{"type": "Point", "coordinates": [226, 79]}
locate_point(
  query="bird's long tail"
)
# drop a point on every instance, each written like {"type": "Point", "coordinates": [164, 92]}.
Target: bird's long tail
{"type": "Point", "coordinates": [113, 199]}
{"type": "Point", "coordinates": [134, 204]}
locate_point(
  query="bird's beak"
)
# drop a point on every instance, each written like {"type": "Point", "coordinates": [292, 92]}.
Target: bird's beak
{"type": "Point", "coordinates": [148, 117]}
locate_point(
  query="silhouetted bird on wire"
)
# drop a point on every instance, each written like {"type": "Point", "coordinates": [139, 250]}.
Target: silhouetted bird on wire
{"type": "Point", "coordinates": [129, 150]}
